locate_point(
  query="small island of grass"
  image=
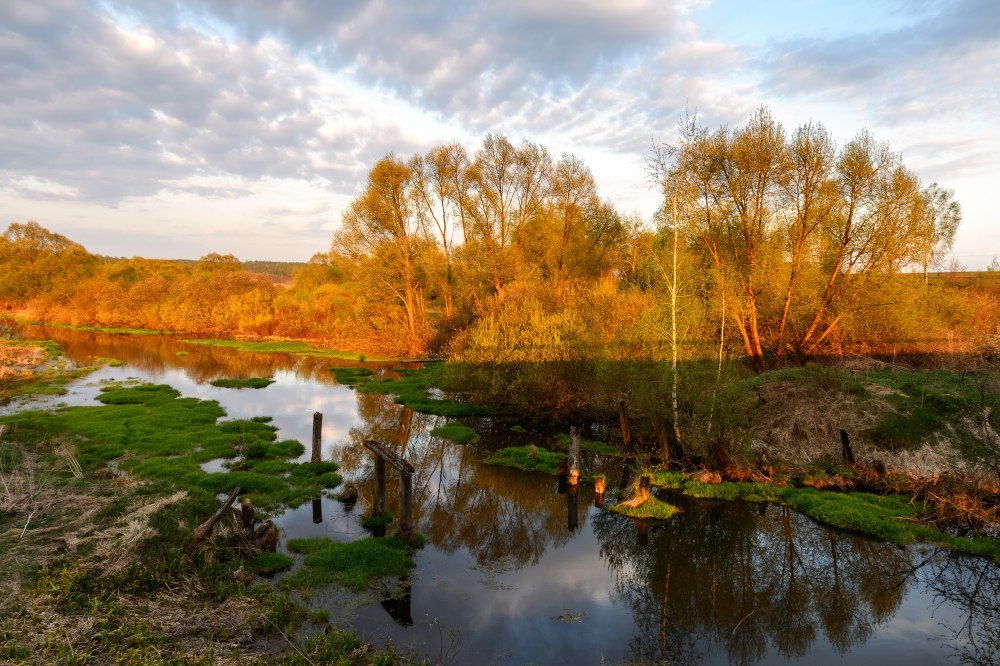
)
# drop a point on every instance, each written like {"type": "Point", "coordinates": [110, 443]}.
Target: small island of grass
{"type": "Point", "coordinates": [527, 458]}
{"type": "Point", "coordinates": [250, 382]}
{"type": "Point", "coordinates": [456, 432]}
{"type": "Point", "coordinates": [355, 565]}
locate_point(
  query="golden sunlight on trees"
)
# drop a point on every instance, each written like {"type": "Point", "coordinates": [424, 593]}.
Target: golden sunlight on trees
{"type": "Point", "coordinates": [770, 243]}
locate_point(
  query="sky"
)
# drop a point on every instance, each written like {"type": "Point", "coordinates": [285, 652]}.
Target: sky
{"type": "Point", "coordinates": [177, 128]}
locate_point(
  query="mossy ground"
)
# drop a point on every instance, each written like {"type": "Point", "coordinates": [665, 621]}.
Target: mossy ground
{"type": "Point", "coordinates": [250, 382]}
{"type": "Point", "coordinates": [158, 435]}
{"type": "Point", "coordinates": [893, 518]}
{"type": "Point", "coordinates": [652, 508]}
{"type": "Point", "coordinates": [600, 448]}
{"type": "Point", "coordinates": [528, 458]}
{"type": "Point", "coordinates": [456, 432]}
{"type": "Point", "coordinates": [268, 564]}
{"type": "Point", "coordinates": [355, 564]}
{"type": "Point", "coordinates": [411, 388]}
{"type": "Point", "coordinates": [295, 347]}
{"type": "Point", "coordinates": [101, 329]}
{"type": "Point", "coordinates": [350, 375]}
{"type": "Point", "coordinates": [96, 568]}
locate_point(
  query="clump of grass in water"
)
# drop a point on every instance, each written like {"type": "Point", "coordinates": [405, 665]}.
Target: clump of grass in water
{"type": "Point", "coordinates": [349, 376]}
{"type": "Point", "coordinates": [355, 565]}
{"type": "Point", "coordinates": [250, 382]}
{"type": "Point", "coordinates": [376, 520]}
{"type": "Point", "coordinates": [456, 432]}
{"type": "Point", "coordinates": [527, 458]}
{"type": "Point", "coordinates": [889, 517]}
{"type": "Point", "coordinates": [294, 347]}
{"type": "Point", "coordinates": [601, 448]}
{"type": "Point", "coordinates": [411, 387]}
{"type": "Point", "coordinates": [268, 564]}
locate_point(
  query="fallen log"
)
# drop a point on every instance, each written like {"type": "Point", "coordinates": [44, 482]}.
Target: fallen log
{"type": "Point", "coordinates": [203, 531]}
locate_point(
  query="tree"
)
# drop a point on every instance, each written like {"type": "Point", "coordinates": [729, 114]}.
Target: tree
{"type": "Point", "coordinates": [940, 216]}
{"type": "Point", "coordinates": [34, 261]}
{"type": "Point", "coordinates": [382, 228]}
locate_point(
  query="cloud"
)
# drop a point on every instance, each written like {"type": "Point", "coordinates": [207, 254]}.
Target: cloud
{"type": "Point", "coordinates": [935, 66]}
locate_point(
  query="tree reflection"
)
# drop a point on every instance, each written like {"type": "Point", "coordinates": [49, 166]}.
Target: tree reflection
{"type": "Point", "coordinates": [971, 585]}
{"type": "Point", "coordinates": [458, 501]}
{"type": "Point", "coordinates": [744, 582]}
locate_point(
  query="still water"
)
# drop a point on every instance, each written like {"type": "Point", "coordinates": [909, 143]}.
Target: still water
{"type": "Point", "coordinates": [515, 572]}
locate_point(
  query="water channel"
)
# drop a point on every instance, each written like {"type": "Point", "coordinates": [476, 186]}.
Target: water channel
{"type": "Point", "coordinates": [515, 572]}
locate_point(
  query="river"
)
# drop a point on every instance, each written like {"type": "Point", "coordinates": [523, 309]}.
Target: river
{"type": "Point", "coordinates": [515, 572]}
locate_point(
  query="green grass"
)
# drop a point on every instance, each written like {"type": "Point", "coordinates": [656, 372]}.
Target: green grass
{"type": "Point", "coordinates": [355, 565]}
{"type": "Point", "coordinates": [376, 520]}
{"type": "Point", "coordinates": [411, 387]}
{"type": "Point", "coordinates": [350, 376]}
{"type": "Point", "coordinates": [456, 432]}
{"type": "Point", "coordinates": [268, 564]}
{"type": "Point", "coordinates": [520, 457]}
{"type": "Point", "coordinates": [101, 329]}
{"type": "Point", "coordinates": [51, 348]}
{"type": "Point", "coordinates": [295, 347]}
{"type": "Point", "coordinates": [250, 382]}
{"type": "Point", "coordinates": [651, 508]}
{"type": "Point", "coordinates": [161, 436]}
{"type": "Point", "coordinates": [888, 517]}
{"type": "Point", "coordinates": [601, 448]}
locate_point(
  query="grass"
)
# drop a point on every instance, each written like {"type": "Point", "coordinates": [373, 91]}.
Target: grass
{"type": "Point", "coordinates": [456, 432]}
{"type": "Point", "coordinates": [601, 448]}
{"type": "Point", "coordinates": [102, 329]}
{"type": "Point", "coordinates": [651, 508]}
{"type": "Point", "coordinates": [250, 382]}
{"type": "Point", "coordinates": [161, 436]}
{"type": "Point", "coordinates": [350, 376]}
{"type": "Point", "coordinates": [295, 347]}
{"type": "Point", "coordinates": [893, 518]}
{"type": "Point", "coordinates": [376, 520]}
{"type": "Point", "coordinates": [527, 458]}
{"type": "Point", "coordinates": [411, 387]}
{"type": "Point", "coordinates": [268, 564]}
{"type": "Point", "coordinates": [355, 565]}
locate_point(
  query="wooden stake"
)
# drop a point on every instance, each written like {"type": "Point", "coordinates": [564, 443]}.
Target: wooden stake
{"type": "Point", "coordinates": [317, 455]}
{"type": "Point", "coordinates": [845, 448]}
{"type": "Point", "coordinates": [317, 510]}
{"type": "Point", "coordinates": [623, 422]}
{"type": "Point", "coordinates": [247, 513]}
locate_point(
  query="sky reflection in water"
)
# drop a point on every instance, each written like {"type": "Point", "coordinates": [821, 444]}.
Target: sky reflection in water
{"type": "Point", "coordinates": [504, 579]}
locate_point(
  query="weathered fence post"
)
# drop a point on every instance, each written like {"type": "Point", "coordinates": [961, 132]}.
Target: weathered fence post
{"type": "Point", "coordinates": [247, 513]}
{"type": "Point", "coordinates": [599, 486]}
{"type": "Point", "coordinates": [623, 422]}
{"type": "Point", "coordinates": [845, 448]}
{"type": "Point", "coordinates": [317, 455]}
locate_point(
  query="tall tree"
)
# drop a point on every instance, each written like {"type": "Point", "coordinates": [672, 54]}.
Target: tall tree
{"type": "Point", "coordinates": [940, 216]}
{"type": "Point", "coordinates": [382, 227]}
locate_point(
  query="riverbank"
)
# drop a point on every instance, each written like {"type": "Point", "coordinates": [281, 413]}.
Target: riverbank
{"type": "Point", "coordinates": [97, 563]}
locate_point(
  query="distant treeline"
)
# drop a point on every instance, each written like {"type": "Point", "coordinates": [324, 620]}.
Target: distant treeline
{"type": "Point", "coordinates": [769, 245]}
{"type": "Point", "coordinates": [283, 268]}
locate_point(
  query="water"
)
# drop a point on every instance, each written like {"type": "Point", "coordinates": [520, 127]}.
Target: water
{"type": "Point", "coordinates": [516, 573]}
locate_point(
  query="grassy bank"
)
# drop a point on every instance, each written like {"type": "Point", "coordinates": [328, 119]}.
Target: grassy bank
{"type": "Point", "coordinates": [893, 518]}
{"type": "Point", "coordinates": [294, 347]}
{"type": "Point", "coordinates": [96, 566]}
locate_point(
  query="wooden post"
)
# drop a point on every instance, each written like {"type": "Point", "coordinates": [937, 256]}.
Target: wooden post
{"type": "Point", "coordinates": [379, 508]}
{"type": "Point", "coordinates": [574, 457]}
{"type": "Point", "coordinates": [845, 448]}
{"type": "Point", "coordinates": [642, 532]}
{"type": "Point", "coordinates": [247, 513]}
{"type": "Point", "coordinates": [405, 504]}
{"type": "Point", "coordinates": [317, 455]}
{"type": "Point", "coordinates": [623, 422]}
{"type": "Point", "coordinates": [599, 485]}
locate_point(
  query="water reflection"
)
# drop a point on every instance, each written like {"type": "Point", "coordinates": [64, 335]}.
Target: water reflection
{"type": "Point", "coordinates": [525, 574]}
{"type": "Point", "coordinates": [745, 582]}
